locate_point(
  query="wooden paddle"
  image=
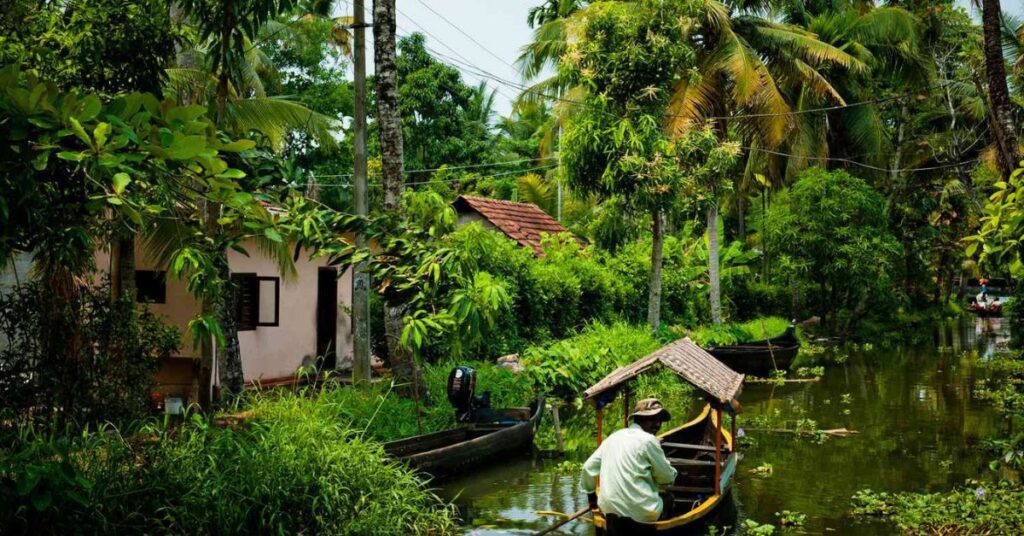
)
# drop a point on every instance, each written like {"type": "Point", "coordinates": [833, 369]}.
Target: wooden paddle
{"type": "Point", "coordinates": [552, 528]}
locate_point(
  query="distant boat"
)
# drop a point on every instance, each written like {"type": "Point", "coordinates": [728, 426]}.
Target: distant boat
{"type": "Point", "coordinates": [760, 357]}
{"type": "Point", "coordinates": [993, 309]}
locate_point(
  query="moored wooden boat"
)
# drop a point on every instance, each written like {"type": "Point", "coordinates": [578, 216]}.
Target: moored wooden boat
{"type": "Point", "coordinates": [994, 309]}
{"type": "Point", "coordinates": [444, 453]}
{"type": "Point", "coordinates": [760, 357]}
{"type": "Point", "coordinates": [702, 451]}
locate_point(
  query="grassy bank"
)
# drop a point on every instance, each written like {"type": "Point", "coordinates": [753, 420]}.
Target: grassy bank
{"type": "Point", "coordinates": [297, 466]}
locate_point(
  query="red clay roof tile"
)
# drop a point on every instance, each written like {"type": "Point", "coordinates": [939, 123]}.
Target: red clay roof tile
{"type": "Point", "coordinates": [522, 222]}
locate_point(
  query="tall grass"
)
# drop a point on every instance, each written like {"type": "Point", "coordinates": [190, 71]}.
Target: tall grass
{"type": "Point", "coordinates": [297, 466]}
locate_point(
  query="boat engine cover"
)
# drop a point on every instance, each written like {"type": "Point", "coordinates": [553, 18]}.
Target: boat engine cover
{"type": "Point", "coordinates": [461, 388]}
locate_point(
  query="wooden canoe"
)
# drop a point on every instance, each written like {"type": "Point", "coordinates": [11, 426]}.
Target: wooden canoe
{"type": "Point", "coordinates": [443, 454]}
{"type": "Point", "coordinates": [691, 450]}
{"type": "Point", "coordinates": [757, 357]}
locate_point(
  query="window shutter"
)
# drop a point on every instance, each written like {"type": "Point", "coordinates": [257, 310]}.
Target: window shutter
{"type": "Point", "coordinates": [247, 306]}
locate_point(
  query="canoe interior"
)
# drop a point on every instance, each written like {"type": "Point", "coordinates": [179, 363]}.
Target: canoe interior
{"type": "Point", "coordinates": [691, 449]}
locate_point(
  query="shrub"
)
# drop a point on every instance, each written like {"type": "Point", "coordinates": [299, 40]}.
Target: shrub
{"type": "Point", "coordinates": [569, 366]}
{"type": "Point", "coordinates": [737, 332]}
{"type": "Point", "coordinates": [296, 466]}
{"type": "Point", "coordinates": [111, 377]}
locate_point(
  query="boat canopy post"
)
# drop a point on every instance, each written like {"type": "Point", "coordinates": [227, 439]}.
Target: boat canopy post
{"type": "Point", "coordinates": [600, 424]}
{"type": "Point", "coordinates": [625, 408]}
{"type": "Point", "coordinates": [718, 451]}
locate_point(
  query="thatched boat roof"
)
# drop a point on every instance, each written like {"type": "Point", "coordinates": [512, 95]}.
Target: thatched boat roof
{"type": "Point", "coordinates": [686, 359]}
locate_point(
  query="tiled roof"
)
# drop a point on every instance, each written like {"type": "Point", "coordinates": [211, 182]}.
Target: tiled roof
{"type": "Point", "coordinates": [522, 222]}
{"type": "Point", "coordinates": [686, 359]}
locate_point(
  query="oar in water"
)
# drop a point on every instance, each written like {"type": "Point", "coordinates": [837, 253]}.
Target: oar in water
{"type": "Point", "coordinates": [552, 528]}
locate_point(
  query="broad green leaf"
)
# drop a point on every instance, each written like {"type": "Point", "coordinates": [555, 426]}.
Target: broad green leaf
{"type": "Point", "coordinates": [91, 107]}
{"type": "Point", "coordinates": [272, 234]}
{"type": "Point", "coordinates": [121, 181]}
{"type": "Point", "coordinates": [72, 156]}
{"type": "Point", "coordinates": [186, 147]}
{"type": "Point", "coordinates": [237, 146]}
{"type": "Point", "coordinates": [100, 134]}
{"type": "Point", "coordinates": [76, 127]}
{"type": "Point", "coordinates": [231, 173]}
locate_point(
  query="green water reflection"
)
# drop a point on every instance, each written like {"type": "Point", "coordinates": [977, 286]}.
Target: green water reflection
{"type": "Point", "coordinates": [919, 429]}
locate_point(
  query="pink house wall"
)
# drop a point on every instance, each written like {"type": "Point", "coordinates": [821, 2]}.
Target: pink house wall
{"type": "Point", "coordinates": [268, 352]}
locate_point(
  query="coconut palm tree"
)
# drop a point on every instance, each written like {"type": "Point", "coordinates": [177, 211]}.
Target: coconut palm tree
{"type": "Point", "coordinates": [746, 61]}
{"type": "Point", "coordinates": [224, 73]}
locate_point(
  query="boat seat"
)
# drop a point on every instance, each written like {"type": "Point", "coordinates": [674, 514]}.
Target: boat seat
{"type": "Point", "coordinates": [689, 446]}
{"type": "Point", "coordinates": [683, 462]}
{"type": "Point", "coordinates": [689, 489]}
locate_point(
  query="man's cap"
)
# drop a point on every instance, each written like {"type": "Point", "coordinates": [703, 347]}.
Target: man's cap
{"type": "Point", "coordinates": [650, 407]}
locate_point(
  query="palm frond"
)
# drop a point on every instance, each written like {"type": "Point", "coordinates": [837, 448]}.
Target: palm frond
{"type": "Point", "coordinates": [277, 117]}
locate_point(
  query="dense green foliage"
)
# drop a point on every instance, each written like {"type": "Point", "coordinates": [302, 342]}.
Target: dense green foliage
{"type": "Point", "coordinates": [976, 510]}
{"type": "Point", "coordinates": [294, 465]}
{"type": "Point", "coordinates": [829, 231]}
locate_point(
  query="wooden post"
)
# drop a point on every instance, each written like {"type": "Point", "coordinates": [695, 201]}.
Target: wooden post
{"type": "Point", "coordinates": [625, 409]}
{"type": "Point", "coordinates": [718, 451]}
{"type": "Point", "coordinates": [558, 427]}
{"type": "Point", "coordinates": [600, 425]}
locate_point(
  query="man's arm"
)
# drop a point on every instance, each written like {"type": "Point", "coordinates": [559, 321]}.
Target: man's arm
{"type": "Point", "coordinates": [664, 473]}
{"type": "Point", "coordinates": [591, 470]}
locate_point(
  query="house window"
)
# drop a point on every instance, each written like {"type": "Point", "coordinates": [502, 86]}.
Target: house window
{"type": "Point", "coordinates": [258, 301]}
{"type": "Point", "coordinates": [150, 286]}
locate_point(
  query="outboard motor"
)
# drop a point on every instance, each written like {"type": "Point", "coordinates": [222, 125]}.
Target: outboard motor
{"type": "Point", "coordinates": [462, 396]}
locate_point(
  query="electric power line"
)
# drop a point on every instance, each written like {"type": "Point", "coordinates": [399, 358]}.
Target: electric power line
{"type": "Point", "coordinates": [468, 166]}
{"type": "Point", "coordinates": [439, 181]}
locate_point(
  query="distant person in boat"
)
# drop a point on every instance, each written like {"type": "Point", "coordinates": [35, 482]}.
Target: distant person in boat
{"type": "Point", "coordinates": [631, 465]}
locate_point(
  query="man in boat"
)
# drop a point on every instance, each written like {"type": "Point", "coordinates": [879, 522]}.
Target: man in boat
{"type": "Point", "coordinates": [631, 465]}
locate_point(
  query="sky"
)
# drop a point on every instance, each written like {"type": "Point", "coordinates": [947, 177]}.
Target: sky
{"type": "Point", "coordinates": [485, 36]}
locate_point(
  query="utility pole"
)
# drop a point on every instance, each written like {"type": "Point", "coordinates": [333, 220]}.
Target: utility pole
{"type": "Point", "coordinates": [360, 277]}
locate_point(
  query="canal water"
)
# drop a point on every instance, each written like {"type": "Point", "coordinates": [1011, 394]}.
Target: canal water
{"type": "Point", "coordinates": [918, 429]}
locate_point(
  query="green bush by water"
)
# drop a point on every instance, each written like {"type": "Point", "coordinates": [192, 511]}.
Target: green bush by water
{"type": "Point", "coordinates": [758, 329]}
{"type": "Point", "coordinates": [296, 466]}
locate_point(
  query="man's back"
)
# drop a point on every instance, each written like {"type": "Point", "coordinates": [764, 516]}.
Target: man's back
{"type": "Point", "coordinates": [631, 465]}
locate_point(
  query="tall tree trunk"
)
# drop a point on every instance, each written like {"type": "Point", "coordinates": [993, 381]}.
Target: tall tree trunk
{"type": "Point", "coordinates": [741, 205]}
{"type": "Point", "coordinates": [389, 127]}
{"type": "Point", "coordinates": [1001, 116]}
{"type": "Point", "coordinates": [657, 256]}
{"type": "Point", "coordinates": [360, 276]}
{"type": "Point", "coordinates": [713, 272]}
{"type": "Point", "coordinates": [895, 173]}
{"type": "Point", "coordinates": [229, 370]}
{"type": "Point", "coordinates": [122, 273]}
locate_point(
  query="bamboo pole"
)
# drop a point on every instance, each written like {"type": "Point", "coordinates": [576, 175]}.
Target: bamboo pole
{"type": "Point", "coordinates": [600, 425]}
{"type": "Point", "coordinates": [558, 427]}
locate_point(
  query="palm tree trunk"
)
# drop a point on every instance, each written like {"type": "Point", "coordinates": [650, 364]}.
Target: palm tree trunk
{"type": "Point", "coordinates": [389, 122]}
{"type": "Point", "coordinates": [657, 257]}
{"type": "Point", "coordinates": [1001, 117]}
{"type": "Point", "coordinates": [713, 272]}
